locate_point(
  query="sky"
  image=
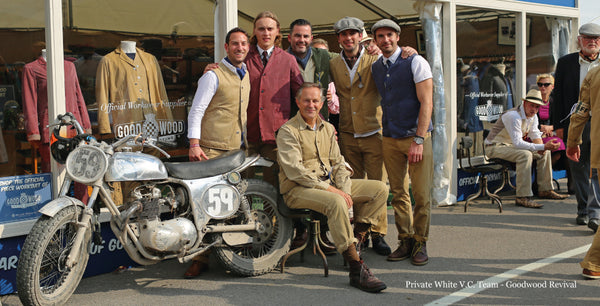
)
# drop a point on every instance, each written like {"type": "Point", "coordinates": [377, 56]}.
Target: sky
{"type": "Point", "coordinates": [589, 10]}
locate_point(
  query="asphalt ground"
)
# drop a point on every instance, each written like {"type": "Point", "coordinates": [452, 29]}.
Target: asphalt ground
{"type": "Point", "coordinates": [522, 256]}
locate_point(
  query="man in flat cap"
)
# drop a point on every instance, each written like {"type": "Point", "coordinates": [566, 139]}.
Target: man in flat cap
{"type": "Point", "coordinates": [360, 114]}
{"type": "Point", "coordinates": [571, 69]}
{"type": "Point", "coordinates": [406, 89]}
{"type": "Point", "coordinates": [506, 141]}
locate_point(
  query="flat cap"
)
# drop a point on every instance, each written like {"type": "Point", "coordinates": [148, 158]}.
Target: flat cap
{"type": "Point", "coordinates": [590, 29]}
{"type": "Point", "coordinates": [385, 23]}
{"type": "Point", "coordinates": [348, 23]}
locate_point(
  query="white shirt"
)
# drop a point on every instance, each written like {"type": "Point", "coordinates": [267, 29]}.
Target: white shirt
{"type": "Point", "coordinates": [420, 67]}
{"type": "Point", "coordinates": [585, 66]}
{"type": "Point", "coordinates": [513, 121]}
{"type": "Point", "coordinates": [261, 50]}
{"type": "Point", "coordinates": [207, 87]}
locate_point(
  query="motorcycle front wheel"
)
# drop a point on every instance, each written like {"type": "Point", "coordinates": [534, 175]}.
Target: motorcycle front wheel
{"type": "Point", "coordinates": [42, 277]}
{"type": "Point", "coordinates": [264, 253]}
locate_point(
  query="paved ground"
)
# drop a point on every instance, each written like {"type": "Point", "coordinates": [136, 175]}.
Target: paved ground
{"type": "Point", "coordinates": [522, 256]}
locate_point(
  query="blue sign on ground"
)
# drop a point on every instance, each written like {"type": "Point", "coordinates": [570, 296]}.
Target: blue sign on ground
{"type": "Point", "coordinates": [22, 196]}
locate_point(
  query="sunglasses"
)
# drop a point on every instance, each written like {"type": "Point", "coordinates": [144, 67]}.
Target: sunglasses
{"type": "Point", "coordinates": [544, 84]}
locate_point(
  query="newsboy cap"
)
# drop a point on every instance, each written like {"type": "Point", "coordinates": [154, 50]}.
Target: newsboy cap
{"type": "Point", "coordinates": [385, 23]}
{"type": "Point", "coordinates": [348, 23]}
{"type": "Point", "coordinates": [590, 29]}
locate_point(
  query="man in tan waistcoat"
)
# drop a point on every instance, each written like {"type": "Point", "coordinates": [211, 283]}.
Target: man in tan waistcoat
{"type": "Point", "coordinates": [217, 119]}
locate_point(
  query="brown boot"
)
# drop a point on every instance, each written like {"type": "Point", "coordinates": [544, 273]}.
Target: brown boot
{"type": "Point", "coordinates": [327, 246]}
{"type": "Point", "coordinates": [196, 269]}
{"type": "Point", "coordinates": [403, 251]}
{"type": "Point", "coordinates": [419, 254]}
{"type": "Point", "coordinates": [360, 275]}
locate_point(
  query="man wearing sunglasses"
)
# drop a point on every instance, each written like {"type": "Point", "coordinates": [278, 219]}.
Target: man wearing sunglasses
{"type": "Point", "coordinates": [571, 69]}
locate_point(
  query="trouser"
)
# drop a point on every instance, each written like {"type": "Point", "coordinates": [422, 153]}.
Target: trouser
{"type": "Point", "coordinates": [365, 157]}
{"type": "Point", "coordinates": [368, 197]}
{"type": "Point", "coordinates": [591, 261]}
{"type": "Point", "coordinates": [580, 176]}
{"type": "Point", "coordinates": [269, 151]}
{"type": "Point", "coordinates": [524, 160]}
{"type": "Point", "coordinates": [410, 223]}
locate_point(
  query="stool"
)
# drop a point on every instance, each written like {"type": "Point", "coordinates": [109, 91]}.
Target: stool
{"type": "Point", "coordinates": [314, 234]}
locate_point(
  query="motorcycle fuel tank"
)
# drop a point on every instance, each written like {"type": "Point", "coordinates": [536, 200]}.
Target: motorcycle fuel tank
{"type": "Point", "coordinates": [134, 166]}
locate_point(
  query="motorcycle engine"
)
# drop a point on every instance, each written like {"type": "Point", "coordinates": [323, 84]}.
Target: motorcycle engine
{"type": "Point", "coordinates": [164, 236]}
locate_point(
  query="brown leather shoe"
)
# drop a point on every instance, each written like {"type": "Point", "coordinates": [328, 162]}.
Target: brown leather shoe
{"type": "Point", "coordinates": [299, 240]}
{"type": "Point", "coordinates": [196, 269]}
{"type": "Point", "coordinates": [403, 251]}
{"type": "Point", "coordinates": [419, 254]}
{"type": "Point", "coordinates": [527, 202]}
{"type": "Point", "coordinates": [327, 246]}
{"type": "Point", "coordinates": [550, 194]}
{"type": "Point", "coordinates": [362, 278]}
{"type": "Point", "coordinates": [591, 274]}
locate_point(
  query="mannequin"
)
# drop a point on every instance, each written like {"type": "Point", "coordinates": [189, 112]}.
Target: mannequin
{"type": "Point", "coordinates": [128, 46]}
{"type": "Point", "coordinates": [130, 92]}
{"type": "Point", "coordinates": [35, 108]}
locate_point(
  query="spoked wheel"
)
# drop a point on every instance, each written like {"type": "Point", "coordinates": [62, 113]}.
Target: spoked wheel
{"type": "Point", "coordinates": [270, 244]}
{"type": "Point", "coordinates": [42, 276]}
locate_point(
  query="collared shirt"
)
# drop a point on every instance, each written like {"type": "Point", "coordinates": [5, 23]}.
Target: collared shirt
{"type": "Point", "coordinates": [585, 66]}
{"type": "Point", "coordinates": [310, 157]}
{"type": "Point", "coordinates": [352, 73]}
{"type": "Point", "coordinates": [419, 66]}
{"type": "Point", "coordinates": [269, 52]}
{"type": "Point", "coordinates": [207, 87]}
{"type": "Point", "coordinates": [515, 122]}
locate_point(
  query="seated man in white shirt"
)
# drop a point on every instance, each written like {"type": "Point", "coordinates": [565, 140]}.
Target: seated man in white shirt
{"type": "Point", "coordinates": [507, 140]}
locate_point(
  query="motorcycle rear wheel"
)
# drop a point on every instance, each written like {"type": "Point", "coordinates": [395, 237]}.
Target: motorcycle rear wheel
{"type": "Point", "coordinates": [42, 277]}
{"type": "Point", "coordinates": [264, 253]}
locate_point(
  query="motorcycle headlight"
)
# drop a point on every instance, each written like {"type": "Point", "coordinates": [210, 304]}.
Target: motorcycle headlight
{"type": "Point", "coordinates": [86, 164]}
{"type": "Point", "coordinates": [220, 201]}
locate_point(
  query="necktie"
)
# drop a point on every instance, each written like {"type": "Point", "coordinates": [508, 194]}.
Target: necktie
{"type": "Point", "coordinates": [388, 64]}
{"type": "Point", "coordinates": [240, 72]}
{"type": "Point", "coordinates": [265, 59]}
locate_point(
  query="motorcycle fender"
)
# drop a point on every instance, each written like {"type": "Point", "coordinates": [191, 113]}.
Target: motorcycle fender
{"type": "Point", "coordinates": [56, 205]}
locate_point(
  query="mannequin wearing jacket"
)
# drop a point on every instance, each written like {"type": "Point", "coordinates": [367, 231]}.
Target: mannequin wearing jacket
{"type": "Point", "coordinates": [35, 104]}
{"type": "Point", "coordinates": [35, 109]}
{"type": "Point", "coordinates": [129, 89]}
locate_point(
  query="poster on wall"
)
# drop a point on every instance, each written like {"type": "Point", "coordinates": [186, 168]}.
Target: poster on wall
{"type": "Point", "coordinates": [22, 196]}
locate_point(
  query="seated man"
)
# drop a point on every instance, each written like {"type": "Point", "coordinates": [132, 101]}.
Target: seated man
{"type": "Point", "coordinates": [314, 176]}
{"type": "Point", "coordinates": [507, 141]}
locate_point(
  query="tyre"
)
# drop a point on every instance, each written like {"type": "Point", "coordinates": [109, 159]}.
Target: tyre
{"type": "Point", "coordinates": [266, 249]}
{"type": "Point", "coordinates": [42, 278]}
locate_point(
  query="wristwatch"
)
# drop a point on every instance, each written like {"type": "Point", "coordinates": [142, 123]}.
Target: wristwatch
{"type": "Point", "coordinates": [418, 140]}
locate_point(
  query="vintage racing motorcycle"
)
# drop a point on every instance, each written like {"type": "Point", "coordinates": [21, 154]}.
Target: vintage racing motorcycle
{"type": "Point", "coordinates": [174, 210]}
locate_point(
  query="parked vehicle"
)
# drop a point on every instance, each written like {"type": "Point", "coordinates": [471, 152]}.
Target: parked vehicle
{"type": "Point", "coordinates": [175, 210]}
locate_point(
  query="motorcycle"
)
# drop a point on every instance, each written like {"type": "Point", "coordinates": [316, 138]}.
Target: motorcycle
{"type": "Point", "coordinates": [174, 210]}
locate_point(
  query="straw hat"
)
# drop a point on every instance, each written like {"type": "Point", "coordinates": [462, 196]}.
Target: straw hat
{"type": "Point", "coordinates": [534, 96]}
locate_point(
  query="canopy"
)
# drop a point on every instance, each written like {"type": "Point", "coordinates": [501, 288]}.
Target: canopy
{"type": "Point", "coordinates": [192, 17]}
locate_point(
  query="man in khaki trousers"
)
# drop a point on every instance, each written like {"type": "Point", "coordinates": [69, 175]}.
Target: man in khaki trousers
{"type": "Point", "coordinates": [507, 140]}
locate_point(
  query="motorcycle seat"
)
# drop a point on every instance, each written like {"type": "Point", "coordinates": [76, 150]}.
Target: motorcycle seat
{"type": "Point", "coordinates": [206, 168]}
